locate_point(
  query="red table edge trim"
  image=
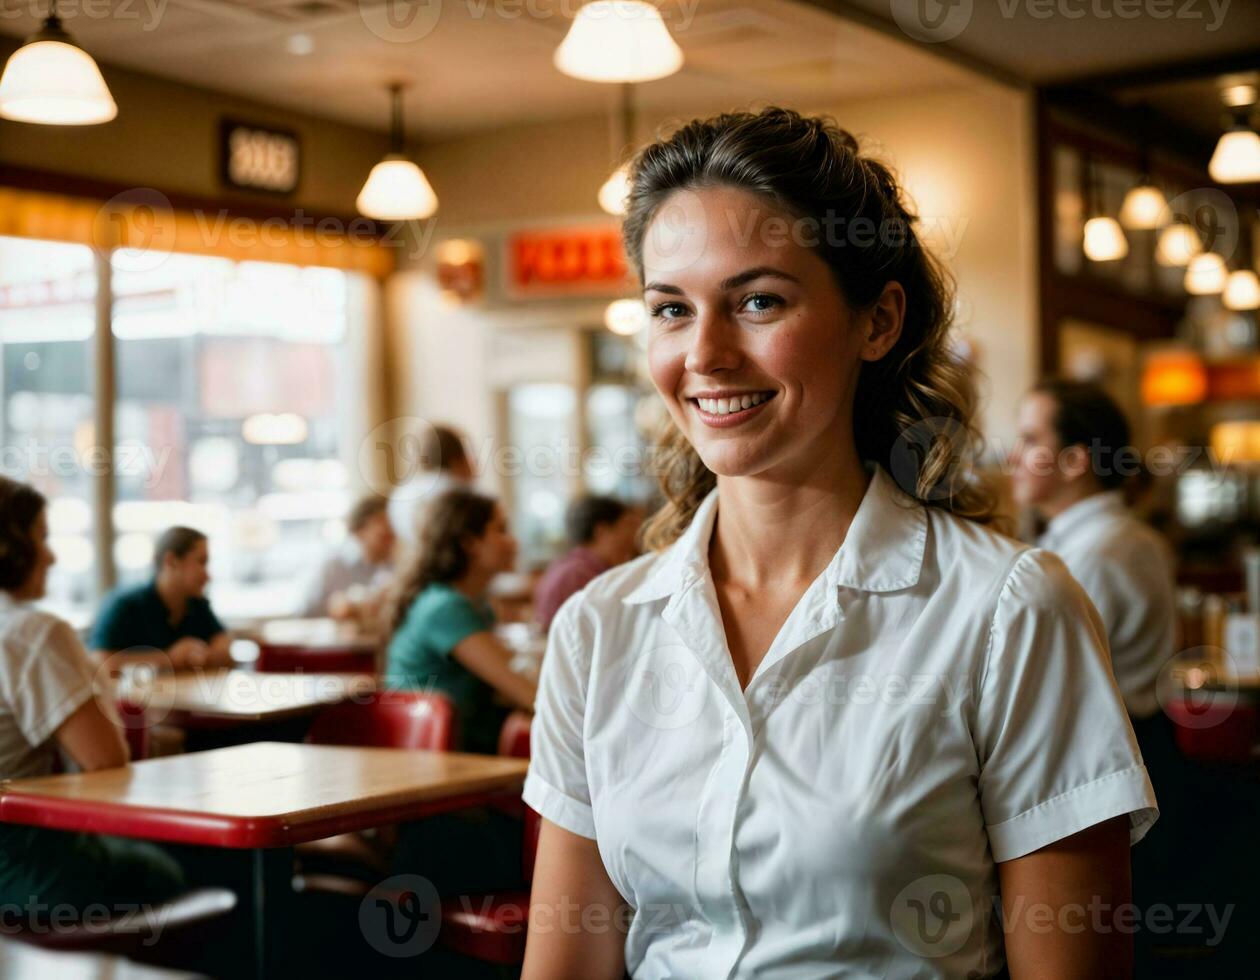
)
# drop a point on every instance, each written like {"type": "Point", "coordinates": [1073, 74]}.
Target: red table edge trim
{"type": "Point", "coordinates": [185, 827]}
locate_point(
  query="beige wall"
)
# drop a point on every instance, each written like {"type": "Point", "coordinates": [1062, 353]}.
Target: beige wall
{"type": "Point", "coordinates": [965, 155]}
{"type": "Point", "coordinates": [166, 136]}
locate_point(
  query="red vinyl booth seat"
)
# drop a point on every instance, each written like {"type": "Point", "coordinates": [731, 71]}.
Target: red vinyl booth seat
{"type": "Point", "coordinates": [390, 720]}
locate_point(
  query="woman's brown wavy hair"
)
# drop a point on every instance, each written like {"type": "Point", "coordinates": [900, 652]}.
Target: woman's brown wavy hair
{"type": "Point", "coordinates": [442, 556]}
{"type": "Point", "coordinates": [913, 409]}
{"type": "Point", "coordinates": [20, 507]}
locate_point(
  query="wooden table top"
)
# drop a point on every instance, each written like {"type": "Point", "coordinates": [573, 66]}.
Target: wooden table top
{"type": "Point", "coordinates": [265, 794]}
{"type": "Point", "coordinates": [246, 696]}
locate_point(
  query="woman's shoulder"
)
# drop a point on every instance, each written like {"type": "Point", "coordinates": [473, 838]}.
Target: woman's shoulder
{"type": "Point", "coordinates": [26, 630]}
{"type": "Point", "coordinates": [605, 595]}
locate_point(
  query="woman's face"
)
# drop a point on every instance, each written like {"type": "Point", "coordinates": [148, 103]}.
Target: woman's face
{"type": "Point", "coordinates": [36, 584]}
{"type": "Point", "coordinates": [752, 344]}
{"type": "Point", "coordinates": [495, 550]}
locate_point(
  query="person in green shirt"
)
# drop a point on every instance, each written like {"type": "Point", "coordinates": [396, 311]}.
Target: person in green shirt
{"type": "Point", "coordinates": [443, 629]}
{"type": "Point", "coordinates": [443, 641]}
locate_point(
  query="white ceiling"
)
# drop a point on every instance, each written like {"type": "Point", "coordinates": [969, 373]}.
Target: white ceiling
{"type": "Point", "coordinates": [478, 63]}
{"type": "Point", "coordinates": [1054, 40]}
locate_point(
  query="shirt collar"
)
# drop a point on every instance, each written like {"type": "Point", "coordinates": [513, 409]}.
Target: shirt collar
{"type": "Point", "coordinates": [882, 552]}
{"type": "Point", "coordinates": [1061, 526]}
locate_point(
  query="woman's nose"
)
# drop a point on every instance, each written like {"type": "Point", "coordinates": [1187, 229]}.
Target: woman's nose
{"type": "Point", "coordinates": [714, 345]}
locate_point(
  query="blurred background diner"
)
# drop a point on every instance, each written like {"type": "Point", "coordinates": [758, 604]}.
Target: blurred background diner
{"type": "Point", "coordinates": [320, 356]}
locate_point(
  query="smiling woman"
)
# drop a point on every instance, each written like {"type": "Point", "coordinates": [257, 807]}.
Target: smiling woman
{"type": "Point", "coordinates": [726, 740]}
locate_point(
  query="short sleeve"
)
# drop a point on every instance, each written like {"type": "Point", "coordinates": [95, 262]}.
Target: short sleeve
{"type": "Point", "coordinates": [556, 785]}
{"type": "Point", "coordinates": [1056, 750]}
{"type": "Point", "coordinates": [449, 621]}
{"type": "Point", "coordinates": [55, 682]}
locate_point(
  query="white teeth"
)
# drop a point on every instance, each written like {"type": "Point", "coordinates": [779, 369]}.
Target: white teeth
{"type": "Point", "coordinates": [725, 406]}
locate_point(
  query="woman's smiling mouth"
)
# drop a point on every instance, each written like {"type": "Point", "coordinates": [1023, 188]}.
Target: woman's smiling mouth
{"type": "Point", "coordinates": [722, 409]}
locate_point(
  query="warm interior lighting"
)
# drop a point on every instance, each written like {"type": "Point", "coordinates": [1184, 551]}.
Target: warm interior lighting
{"type": "Point", "coordinates": [1242, 290]}
{"type": "Point", "coordinates": [397, 189]}
{"type": "Point", "coordinates": [1104, 240]}
{"type": "Point", "coordinates": [615, 190]}
{"type": "Point", "coordinates": [1206, 274]}
{"type": "Point", "coordinates": [618, 41]}
{"type": "Point", "coordinates": [52, 81]}
{"type": "Point", "coordinates": [1142, 207]}
{"type": "Point", "coordinates": [625, 316]}
{"type": "Point", "coordinates": [1236, 441]}
{"type": "Point", "coordinates": [1178, 244]}
{"type": "Point", "coordinates": [1174, 378]}
{"type": "Point", "coordinates": [1237, 157]}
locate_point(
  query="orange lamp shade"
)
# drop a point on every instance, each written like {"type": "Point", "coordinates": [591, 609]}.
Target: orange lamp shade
{"type": "Point", "coordinates": [1236, 441]}
{"type": "Point", "coordinates": [1174, 378]}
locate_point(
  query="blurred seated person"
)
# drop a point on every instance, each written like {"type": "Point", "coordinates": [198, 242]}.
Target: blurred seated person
{"type": "Point", "coordinates": [351, 581]}
{"type": "Point", "coordinates": [443, 629]}
{"type": "Point", "coordinates": [48, 704]}
{"type": "Point", "coordinates": [167, 621]}
{"type": "Point", "coordinates": [1073, 458]}
{"type": "Point", "coordinates": [444, 465]}
{"type": "Point", "coordinates": [602, 533]}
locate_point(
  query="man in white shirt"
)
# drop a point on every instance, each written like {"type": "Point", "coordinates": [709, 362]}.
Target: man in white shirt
{"type": "Point", "coordinates": [351, 579]}
{"type": "Point", "coordinates": [444, 465]}
{"type": "Point", "coordinates": [1073, 456]}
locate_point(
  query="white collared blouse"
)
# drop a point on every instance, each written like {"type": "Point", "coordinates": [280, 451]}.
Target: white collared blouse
{"type": "Point", "coordinates": [1126, 568]}
{"type": "Point", "coordinates": [939, 700]}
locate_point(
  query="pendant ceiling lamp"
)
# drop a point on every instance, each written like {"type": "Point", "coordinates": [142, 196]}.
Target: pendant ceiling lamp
{"type": "Point", "coordinates": [1206, 274]}
{"type": "Point", "coordinates": [397, 189]}
{"type": "Point", "coordinates": [1178, 243]}
{"type": "Point", "coordinates": [1237, 156]}
{"type": "Point", "coordinates": [618, 41]}
{"type": "Point", "coordinates": [1104, 239]}
{"type": "Point", "coordinates": [52, 81]}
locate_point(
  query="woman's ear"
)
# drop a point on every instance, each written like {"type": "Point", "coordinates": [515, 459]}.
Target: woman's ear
{"type": "Point", "coordinates": [885, 319]}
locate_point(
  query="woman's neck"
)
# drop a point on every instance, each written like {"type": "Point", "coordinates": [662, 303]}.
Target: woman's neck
{"type": "Point", "coordinates": [473, 584]}
{"type": "Point", "coordinates": [775, 530]}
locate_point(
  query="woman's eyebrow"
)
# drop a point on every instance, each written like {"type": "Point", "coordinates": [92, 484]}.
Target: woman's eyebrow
{"type": "Point", "coordinates": [733, 282]}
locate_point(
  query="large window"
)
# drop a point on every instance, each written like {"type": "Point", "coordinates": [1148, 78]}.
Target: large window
{"type": "Point", "coordinates": [230, 375]}
{"type": "Point", "coordinates": [47, 322]}
{"type": "Point", "coordinates": [236, 408]}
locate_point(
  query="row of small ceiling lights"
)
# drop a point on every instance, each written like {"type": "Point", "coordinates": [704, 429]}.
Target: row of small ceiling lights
{"type": "Point", "coordinates": [1236, 161]}
{"type": "Point", "coordinates": [52, 81]}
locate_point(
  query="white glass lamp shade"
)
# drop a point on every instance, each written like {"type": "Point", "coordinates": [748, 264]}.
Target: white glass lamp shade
{"type": "Point", "coordinates": [613, 194]}
{"type": "Point", "coordinates": [1177, 245]}
{"type": "Point", "coordinates": [625, 316]}
{"type": "Point", "coordinates": [397, 190]}
{"type": "Point", "coordinates": [1237, 157]}
{"type": "Point", "coordinates": [1206, 274]}
{"type": "Point", "coordinates": [1104, 240]}
{"type": "Point", "coordinates": [1242, 290]}
{"type": "Point", "coordinates": [618, 41]}
{"type": "Point", "coordinates": [54, 83]}
{"type": "Point", "coordinates": [1142, 207]}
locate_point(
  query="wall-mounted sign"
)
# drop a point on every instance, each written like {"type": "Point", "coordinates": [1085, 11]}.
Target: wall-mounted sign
{"type": "Point", "coordinates": [586, 261]}
{"type": "Point", "coordinates": [260, 158]}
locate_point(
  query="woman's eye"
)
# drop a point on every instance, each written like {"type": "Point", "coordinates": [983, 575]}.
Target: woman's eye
{"type": "Point", "coordinates": [668, 311]}
{"type": "Point", "coordinates": [762, 303]}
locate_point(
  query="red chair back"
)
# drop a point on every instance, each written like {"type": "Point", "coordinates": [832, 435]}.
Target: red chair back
{"type": "Point", "coordinates": [390, 720]}
{"type": "Point", "coordinates": [275, 659]}
{"type": "Point", "coordinates": [1220, 732]}
{"type": "Point", "coordinates": [514, 735]}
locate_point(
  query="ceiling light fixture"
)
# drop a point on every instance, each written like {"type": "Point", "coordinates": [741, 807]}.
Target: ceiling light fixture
{"type": "Point", "coordinates": [1104, 239]}
{"type": "Point", "coordinates": [52, 81]}
{"type": "Point", "coordinates": [618, 41]}
{"type": "Point", "coordinates": [397, 189]}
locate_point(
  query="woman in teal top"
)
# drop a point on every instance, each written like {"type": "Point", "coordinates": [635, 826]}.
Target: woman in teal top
{"type": "Point", "coordinates": [443, 628]}
{"type": "Point", "coordinates": [444, 642]}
